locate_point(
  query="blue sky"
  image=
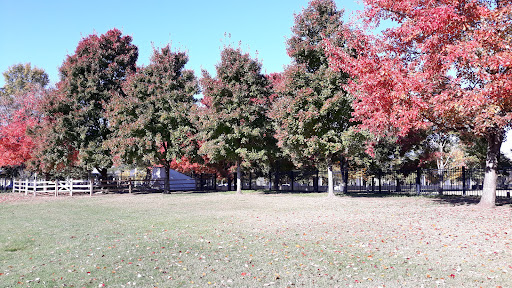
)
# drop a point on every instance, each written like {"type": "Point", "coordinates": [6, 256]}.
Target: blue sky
{"type": "Point", "coordinates": [44, 32]}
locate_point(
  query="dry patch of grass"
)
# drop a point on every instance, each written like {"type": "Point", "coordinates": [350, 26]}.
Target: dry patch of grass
{"type": "Point", "coordinates": [254, 240]}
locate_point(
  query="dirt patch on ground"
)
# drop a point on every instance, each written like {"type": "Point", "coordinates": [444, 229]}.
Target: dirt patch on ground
{"type": "Point", "coordinates": [20, 197]}
{"type": "Point", "coordinates": [13, 197]}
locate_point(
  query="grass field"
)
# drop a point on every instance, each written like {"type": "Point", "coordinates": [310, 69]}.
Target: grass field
{"type": "Point", "coordinates": [253, 240]}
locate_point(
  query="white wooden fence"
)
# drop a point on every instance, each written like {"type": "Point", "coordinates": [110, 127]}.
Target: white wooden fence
{"type": "Point", "coordinates": [35, 187]}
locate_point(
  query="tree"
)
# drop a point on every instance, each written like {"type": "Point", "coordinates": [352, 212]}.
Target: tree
{"type": "Point", "coordinates": [446, 64]}
{"type": "Point", "coordinates": [19, 78]}
{"type": "Point", "coordinates": [75, 114]}
{"type": "Point", "coordinates": [151, 119]}
{"type": "Point", "coordinates": [445, 148]}
{"type": "Point", "coordinates": [19, 105]}
{"type": "Point", "coordinates": [16, 146]}
{"type": "Point", "coordinates": [235, 127]}
{"type": "Point", "coordinates": [312, 112]}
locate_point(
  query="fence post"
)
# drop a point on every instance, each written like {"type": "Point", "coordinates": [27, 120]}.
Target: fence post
{"type": "Point", "coordinates": [70, 187]}
{"type": "Point", "coordinates": [292, 179]}
{"type": "Point", "coordinates": [345, 181]}
{"type": "Point", "coordinates": [418, 181]}
{"type": "Point", "coordinates": [35, 187]}
{"type": "Point", "coordinates": [130, 185]}
{"type": "Point", "coordinates": [380, 181]}
{"type": "Point", "coordinates": [250, 180]}
{"type": "Point", "coordinates": [440, 190]}
{"type": "Point", "coordinates": [276, 179]}
{"type": "Point", "coordinates": [398, 188]}
{"type": "Point", "coordinates": [26, 187]}
{"type": "Point", "coordinates": [13, 185]}
{"type": "Point", "coordinates": [463, 181]}
{"type": "Point", "coordinates": [90, 187]}
{"type": "Point", "coordinates": [315, 182]}
{"type": "Point", "coordinates": [56, 187]}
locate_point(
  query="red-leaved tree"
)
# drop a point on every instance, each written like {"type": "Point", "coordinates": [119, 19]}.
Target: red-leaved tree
{"type": "Point", "coordinates": [447, 64]}
{"type": "Point", "coordinates": [16, 146]}
{"type": "Point", "coordinates": [76, 127]}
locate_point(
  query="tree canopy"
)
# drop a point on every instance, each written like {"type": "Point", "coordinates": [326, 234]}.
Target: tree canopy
{"type": "Point", "coordinates": [233, 117]}
{"type": "Point", "coordinates": [76, 125]}
{"type": "Point", "coordinates": [429, 87]}
{"type": "Point", "coordinates": [313, 111]}
{"type": "Point", "coordinates": [18, 78]}
{"type": "Point", "coordinates": [19, 112]}
{"type": "Point", "coordinates": [446, 64]}
{"type": "Point", "coordinates": [150, 119]}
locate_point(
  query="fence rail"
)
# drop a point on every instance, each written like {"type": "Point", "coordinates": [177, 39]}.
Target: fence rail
{"type": "Point", "coordinates": [35, 187]}
{"type": "Point", "coordinates": [456, 181]}
{"type": "Point", "coordinates": [203, 182]}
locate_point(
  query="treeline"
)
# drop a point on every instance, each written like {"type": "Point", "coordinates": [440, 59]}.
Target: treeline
{"type": "Point", "coordinates": [413, 96]}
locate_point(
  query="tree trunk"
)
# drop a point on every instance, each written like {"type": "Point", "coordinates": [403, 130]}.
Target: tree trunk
{"type": "Point", "coordinates": [167, 187]}
{"type": "Point", "coordinates": [238, 179]}
{"type": "Point", "coordinates": [330, 180]}
{"type": "Point", "coordinates": [103, 178]}
{"type": "Point", "coordinates": [277, 177]}
{"type": "Point", "coordinates": [103, 174]}
{"type": "Point", "coordinates": [344, 174]}
{"type": "Point", "coordinates": [494, 141]}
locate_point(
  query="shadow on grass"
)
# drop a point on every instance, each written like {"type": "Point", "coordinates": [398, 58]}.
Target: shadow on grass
{"type": "Point", "coordinates": [197, 192]}
{"type": "Point", "coordinates": [468, 200]}
{"type": "Point", "coordinates": [455, 200]}
{"type": "Point", "coordinates": [377, 195]}
{"type": "Point", "coordinates": [272, 192]}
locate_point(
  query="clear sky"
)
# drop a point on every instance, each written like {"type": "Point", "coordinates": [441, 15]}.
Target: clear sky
{"type": "Point", "coordinates": [44, 32]}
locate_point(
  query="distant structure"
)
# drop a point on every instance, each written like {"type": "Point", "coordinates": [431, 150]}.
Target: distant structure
{"type": "Point", "coordinates": [177, 180]}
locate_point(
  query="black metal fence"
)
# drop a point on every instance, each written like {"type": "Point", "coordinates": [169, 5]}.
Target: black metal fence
{"type": "Point", "coordinates": [456, 181]}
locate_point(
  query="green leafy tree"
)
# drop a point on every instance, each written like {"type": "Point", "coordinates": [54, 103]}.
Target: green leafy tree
{"type": "Point", "coordinates": [19, 78]}
{"type": "Point", "coordinates": [23, 84]}
{"type": "Point", "coordinates": [235, 127]}
{"type": "Point", "coordinates": [312, 112]}
{"type": "Point", "coordinates": [76, 125]}
{"type": "Point", "coordinates": [151, 120]}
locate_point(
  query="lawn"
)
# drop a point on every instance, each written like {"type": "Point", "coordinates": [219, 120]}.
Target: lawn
{"type": "Point", "coordinates": [253, 240]}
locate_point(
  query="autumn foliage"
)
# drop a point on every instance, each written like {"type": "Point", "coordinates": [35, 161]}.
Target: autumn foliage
{"type": "Point", "coordinates": [20, 100]}
{"type": "Point", "coordinates": [16, 146]}
{"type": "Point", "coordinates": [150, 118]}
{"type": "Point", "coordinates": [76, 125]}
{"type": "Point", "coordinates": [445, 65]}
{"type": "Point", "coordinates": [443, 68]}
{"type": "Point", "coordinates": [233, 122]}
{"type": "Point", "coordinates": [311, 111]}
